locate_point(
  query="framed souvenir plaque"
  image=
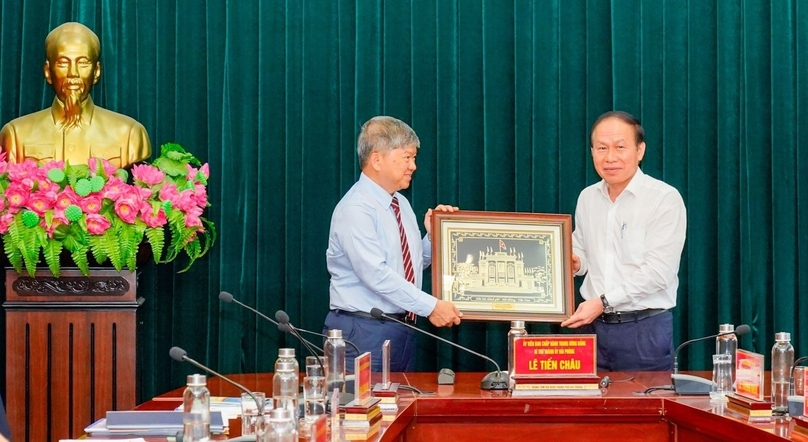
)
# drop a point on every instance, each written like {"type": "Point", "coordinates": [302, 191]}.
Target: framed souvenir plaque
{"type": "Point", "coordinates": [504, 266]}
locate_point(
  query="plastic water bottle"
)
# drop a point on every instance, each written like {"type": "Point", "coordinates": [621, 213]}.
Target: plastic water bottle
{"type": "Point", "coordinates": [782, 360]}
{"type": "Point", "coordinates": [727, 345]}
{"type": "Point", "coordinates": [285, 387]}
{"type": "Point", "coordinates": [196, 410]}
{"type": "Point", "coordinates": [281, 426]}
{"type": "Point", "coordinates": [287, 355]}
{"type": "Point", "coordinates": [334, 349]}
{"type": "Point", "coordinates": [517, 329]}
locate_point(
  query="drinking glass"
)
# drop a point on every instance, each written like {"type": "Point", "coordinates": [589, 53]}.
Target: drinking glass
{"type": "Point", "coordinates": [313, 398]}
{"type": "Point", "coordinates": [722, 376]}
{"type": "Point", "coordinates": [799, 381]}
{"type": "Point", "coordinates": [313, 368]}
{"type": "Point", "coordinates": [250, 412]}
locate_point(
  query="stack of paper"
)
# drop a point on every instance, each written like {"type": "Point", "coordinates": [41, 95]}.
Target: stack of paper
{"type": "Point", "coordinates": [146, 423]}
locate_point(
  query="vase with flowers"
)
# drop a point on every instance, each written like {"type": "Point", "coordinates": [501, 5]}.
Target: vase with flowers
{"type": "Point", "coordinates": [96, 210]}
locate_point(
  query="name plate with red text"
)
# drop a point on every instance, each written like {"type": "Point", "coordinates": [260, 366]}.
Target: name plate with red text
{"type": "Point", "coordinates": [362, 381]}
{"type": "Point", "coordinates": [555, 355]}
{"type": "Point", "coordinates": [749, 379]}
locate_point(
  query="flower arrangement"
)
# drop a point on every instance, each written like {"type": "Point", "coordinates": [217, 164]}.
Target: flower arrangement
{"type": "Point", "coordinates": [54, 207]}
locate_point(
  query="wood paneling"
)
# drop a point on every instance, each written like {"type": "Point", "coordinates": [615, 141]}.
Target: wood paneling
{"type": "Point", "coordinates": [70, 352]}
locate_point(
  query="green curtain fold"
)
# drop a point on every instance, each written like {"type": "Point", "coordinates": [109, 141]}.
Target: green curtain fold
{"type": "Point", "coordinates": [502, 94]}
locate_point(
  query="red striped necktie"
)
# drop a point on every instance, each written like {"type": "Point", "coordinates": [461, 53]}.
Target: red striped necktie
{"type": "Point", "coordinates": [409, 273]}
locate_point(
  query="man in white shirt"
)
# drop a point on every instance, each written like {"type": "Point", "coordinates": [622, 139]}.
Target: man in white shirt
{"type": "Point", "coordinates": [628, 239]}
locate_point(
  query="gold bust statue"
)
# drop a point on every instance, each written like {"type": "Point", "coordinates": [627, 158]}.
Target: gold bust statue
{"type": "Point", "coordinates": [74, 129]}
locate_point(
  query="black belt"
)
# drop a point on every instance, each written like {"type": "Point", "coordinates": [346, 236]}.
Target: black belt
{"type": "Point", "coordinates": [400, 316]}
{"type": "Point", "coordinates": [623, 317]}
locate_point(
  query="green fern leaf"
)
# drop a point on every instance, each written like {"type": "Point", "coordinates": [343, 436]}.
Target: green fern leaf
{"type": "Point", "coordinates": [52, 250]}
{"type": "Point", "coordinates": [109, 242]}
{"type": "Point", "coordinates": [209, 236]}
{"type": "Point", "coordinates": [97, 248]}
{"type": "Point", "coordinates": [136, 238]}
{"type": "Point", "coordinates": [80, 258]}
{"type": "Point", "coordinates": [12, 252]}
{"type": "Point", "coordinates": [176, 227]}
{"type": "Point", "coordinates": [156, 237]}
{"type": "Point", "coordinates": [192, 249]}
{"type": "Point", "coordinates": [30, 248]}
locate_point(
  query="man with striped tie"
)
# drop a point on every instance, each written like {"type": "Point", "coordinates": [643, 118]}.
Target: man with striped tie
{"type": "Point", "coordinates": [376, 255]}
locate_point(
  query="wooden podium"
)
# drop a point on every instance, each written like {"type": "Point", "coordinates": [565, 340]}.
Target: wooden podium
{"type": "Point", "coordinates": [70, 350]}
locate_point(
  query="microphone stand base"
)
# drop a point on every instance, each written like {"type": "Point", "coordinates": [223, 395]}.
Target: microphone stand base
{"type": "Point", "coordinates": [686, 384]}
{"type": "Point", "coordinates": [496, 380]}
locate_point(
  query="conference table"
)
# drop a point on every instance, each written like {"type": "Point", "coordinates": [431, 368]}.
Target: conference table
{"type": "Point", "coordinates": [464, 413]}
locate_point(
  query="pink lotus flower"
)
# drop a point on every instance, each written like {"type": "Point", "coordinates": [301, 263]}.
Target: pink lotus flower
{"type": "Point", "coordinates": [185, 201]}
{"type": "Point", "coordinates": [141, 193]}
{"type": "Point", "coordinates": [66, 198]}
{"type": "Point", "coordinates": [20, 171]}
{"type": "Point", "coordinates": [153, 219]}
{"type": "Point", "coordinates": [126, 207]}
{"type": "Point", "coordinates": [17, 195]}
{"type": "Point", "coordinates": [148, 174]}
{"type": "Point", "coordinates": [59, 216]}
{"type": "Point", "coordinates": [192, 217]}
{"type": "Point", "coordinates": [2, 204]}
{"type": "Point", "coordinates": [5, 221]}
{"type": "Point", "coordinates": [192, 172]}
{"type": "Point", "coordinates": [48, 186]}
{"type": "Point", "coordinates": [114, 189]}
{"type": "Point", "coordinates": [97, 224]}
{"type": "Point", "coordinates": [3, 166]}
{"type": "Point", "coordinates": [168, 192]}
{"type": "Point", "coordinates": [90, 204]}
{"type": "Point", "coordinates": [109, 168]}
{"type": "Point", "coordinates": [201, 193]}
{"type": "Point", "coordinates": [58, 219]}
{"type": "Point", "coordinates": [53, 165]}
{"type": "Point", "coordinates": [40, 202]}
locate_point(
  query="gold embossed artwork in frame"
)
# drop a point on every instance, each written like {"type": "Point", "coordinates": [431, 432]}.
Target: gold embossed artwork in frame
{"type": "Point", "coordinates": [504, 266]}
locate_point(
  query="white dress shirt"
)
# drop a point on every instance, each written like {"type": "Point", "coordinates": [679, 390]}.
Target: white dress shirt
{"type": "Point", "coordinates": [364, 254]}
{"type": "Point", "coordinates": [630, 248]}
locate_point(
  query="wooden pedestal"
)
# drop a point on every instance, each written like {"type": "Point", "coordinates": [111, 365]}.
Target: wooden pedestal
{"type": "Point", "coordinates": [70, 351]}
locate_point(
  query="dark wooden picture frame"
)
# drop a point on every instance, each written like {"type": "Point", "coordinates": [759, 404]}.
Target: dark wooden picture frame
{"type": "Point", "coordinates": [503, 266]}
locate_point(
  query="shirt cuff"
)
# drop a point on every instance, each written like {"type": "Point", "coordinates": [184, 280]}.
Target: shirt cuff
{"type": "Point", "coordinates": [426, 304]}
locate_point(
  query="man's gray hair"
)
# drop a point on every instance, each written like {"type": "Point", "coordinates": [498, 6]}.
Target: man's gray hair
{"type": "Point", "coordinates": [383, 134]}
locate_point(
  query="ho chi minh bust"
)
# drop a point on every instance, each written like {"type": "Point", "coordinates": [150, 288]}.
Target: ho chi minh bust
{"type": "Point", "coordinates": [74, 129]}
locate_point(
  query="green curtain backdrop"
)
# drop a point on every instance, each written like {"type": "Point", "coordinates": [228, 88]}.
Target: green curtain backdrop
{"type": "Point", "coordinates": [501, 93]}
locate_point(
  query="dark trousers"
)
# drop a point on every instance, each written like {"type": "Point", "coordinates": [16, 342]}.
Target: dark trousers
{"type": "Point", "coordinates": [645, 345]}
{"type": "Point", "coordinates": [4, 429]}
{"type": "Point", "coordinates": [369, 335]}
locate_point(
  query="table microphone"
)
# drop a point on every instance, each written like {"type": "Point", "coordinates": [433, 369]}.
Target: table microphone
{"type": "Point", "coordinates": [227, 297]}
{"type": "Point", "coordinates": [181, 355]}
{"type": "Point", "coordinates": [287, 328]}
{"type": "Point", "coordinates": [496, 380]}
{"type": "Point", "coordinates": [694, 385]}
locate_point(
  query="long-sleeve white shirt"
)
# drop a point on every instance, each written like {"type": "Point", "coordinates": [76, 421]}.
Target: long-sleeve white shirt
{"type": "Point", "coordinates": [630, 248]}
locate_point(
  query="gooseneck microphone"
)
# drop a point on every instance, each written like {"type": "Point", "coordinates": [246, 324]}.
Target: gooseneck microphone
{"type": "Point", "coordinates": [496, 380]}
{"type": "Point", "coordinates": [181, 355]}
{"type": "Point", "coordinates": [287, 328]}
{"type": "Point", "coordinates": [227, 297]}
{"type": "Point", "coordinates": [283, 320]}
{"type": "Point", "coordinates": [741, 330]}
{"type": "Point", "coordinates": [694, 385]}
